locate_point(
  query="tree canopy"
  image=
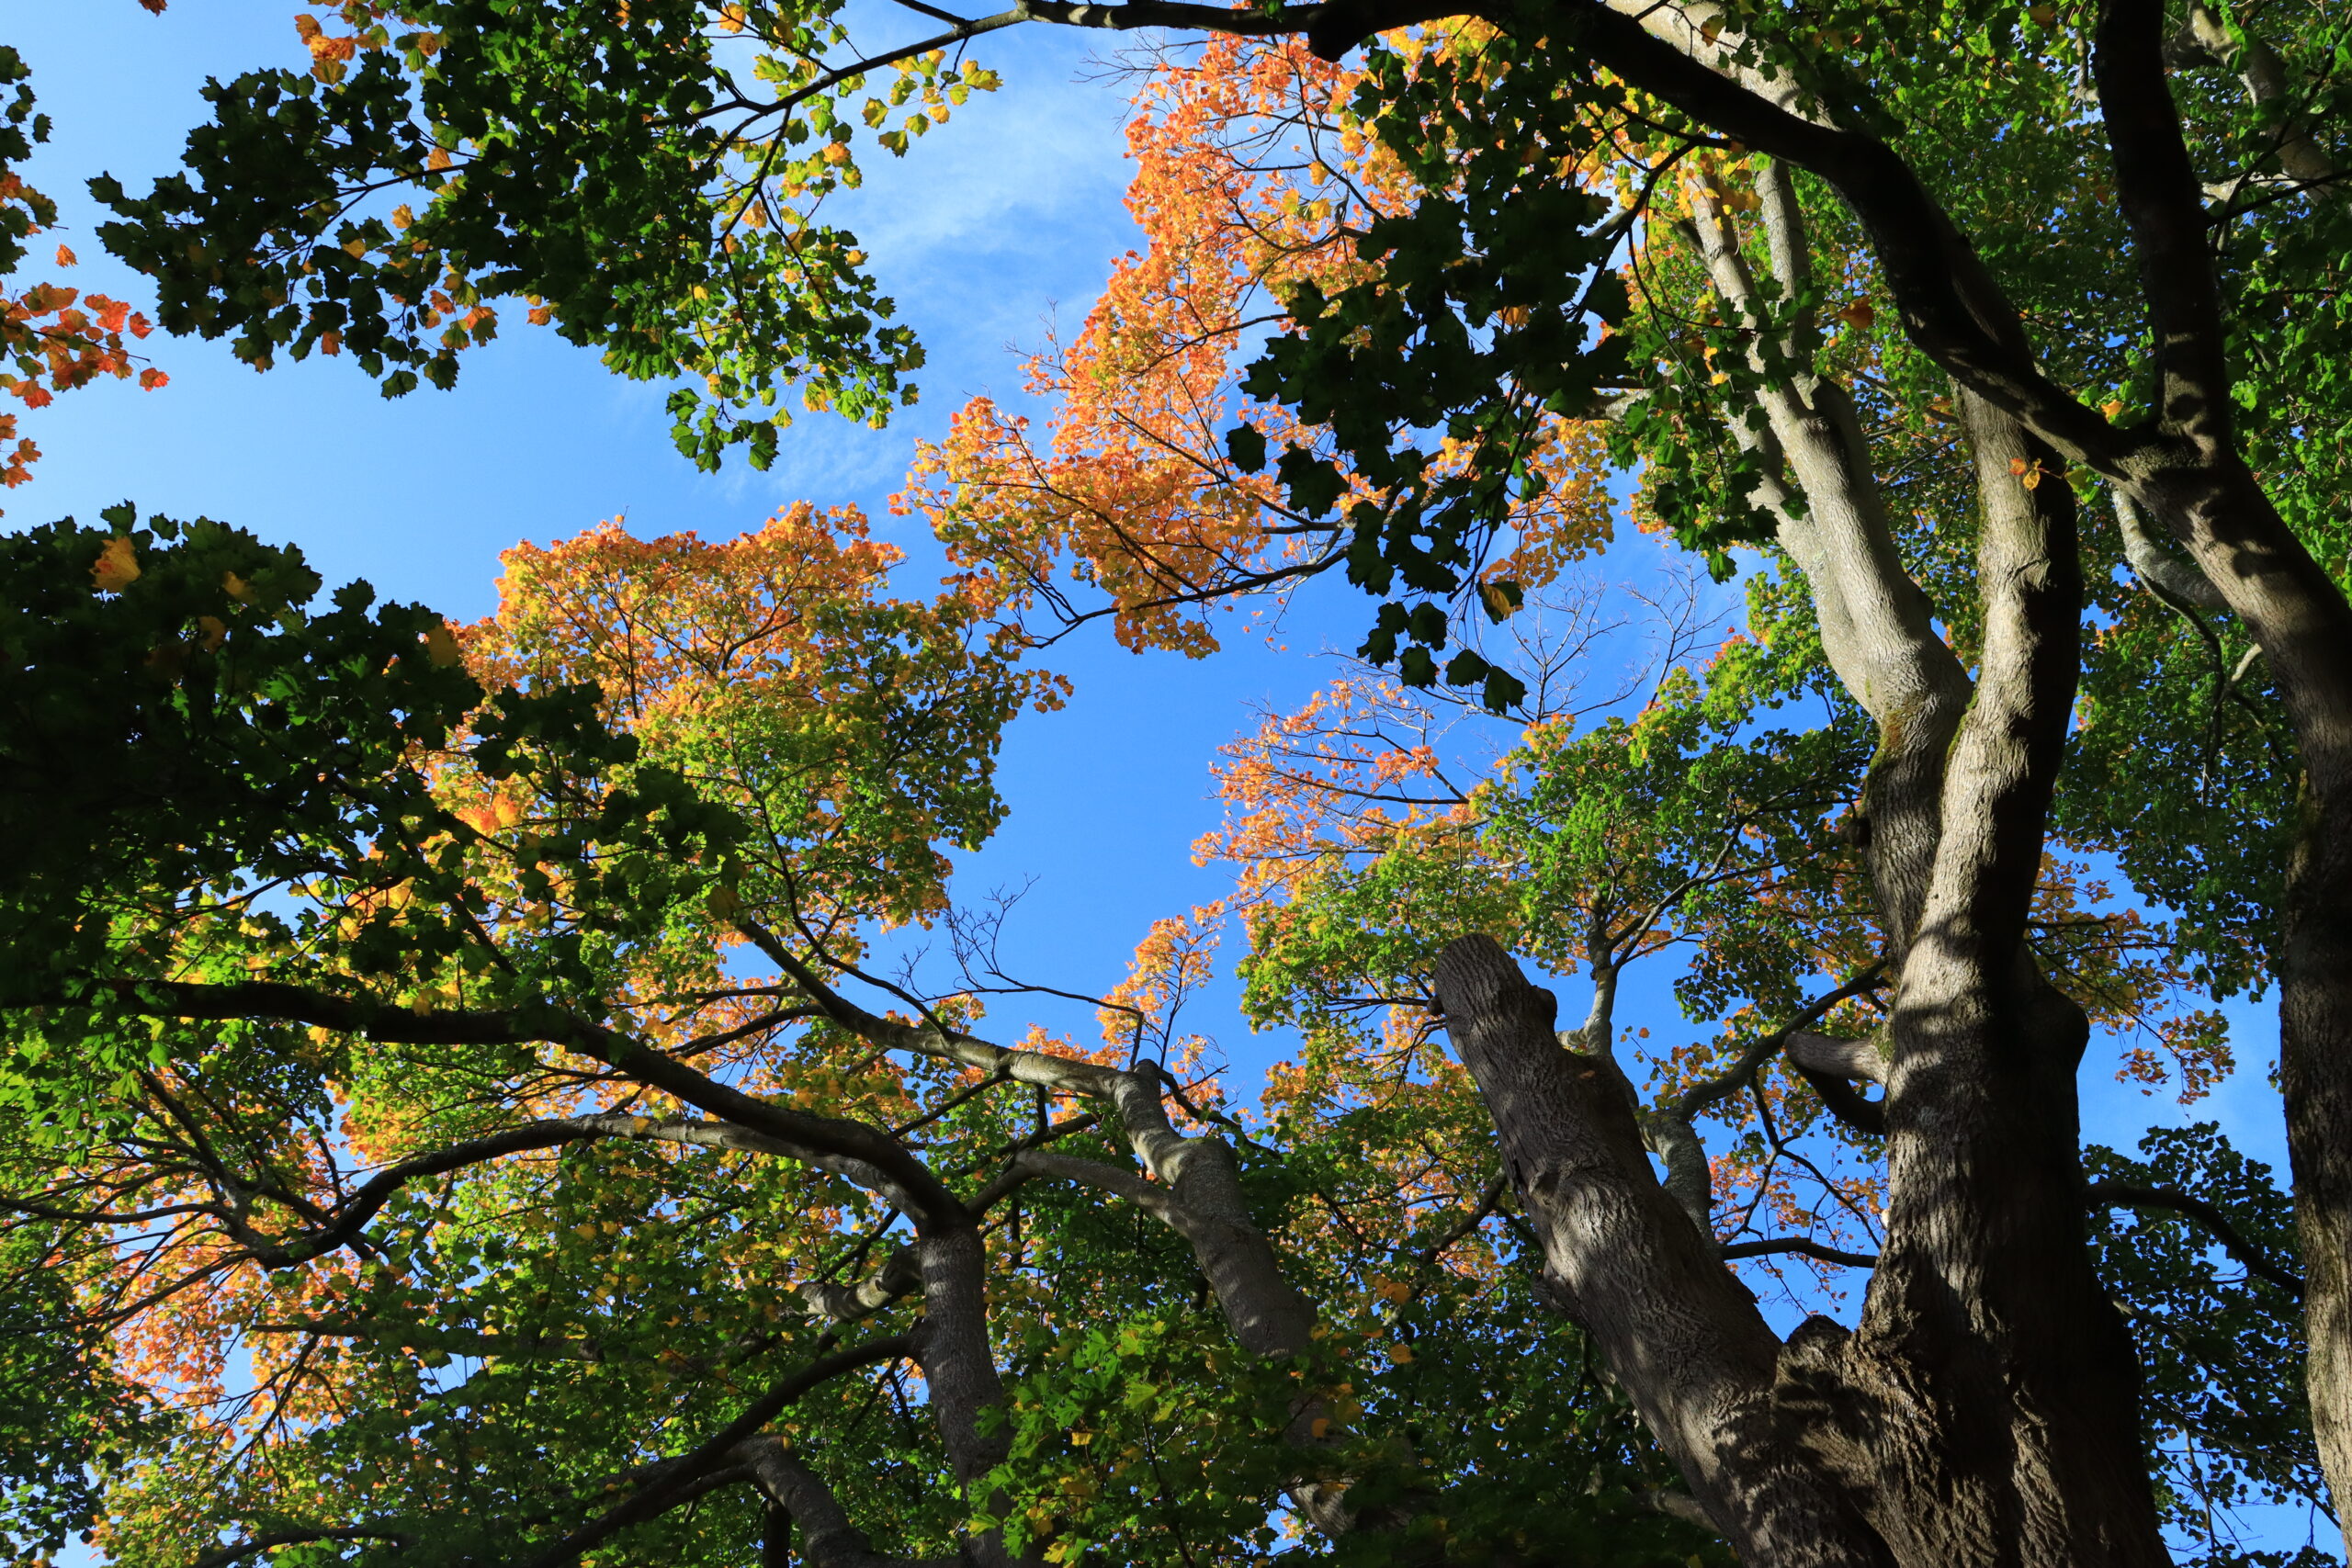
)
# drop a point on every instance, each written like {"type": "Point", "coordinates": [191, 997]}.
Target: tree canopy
{"type": "Point", "coordinates": [469, 1095]}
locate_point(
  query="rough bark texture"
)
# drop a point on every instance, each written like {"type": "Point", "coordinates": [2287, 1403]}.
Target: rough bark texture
{"type": "Point", "coordinates": [1876, 625]}
{"type": "Point", "coordinates": [1979, 1020]}
{"type": "Point", "coordinates": [1680, 1333]}
{"type": "Point", "coordinates": [1985, 1411]}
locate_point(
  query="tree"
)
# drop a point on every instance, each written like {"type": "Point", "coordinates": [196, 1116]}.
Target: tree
{"type": "Point", "coordinates": [489, 920]}
{"type": "Point", "coordinates": [53, 339]}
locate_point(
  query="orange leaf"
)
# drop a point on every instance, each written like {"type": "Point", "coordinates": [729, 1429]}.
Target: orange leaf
{"type": "Point", "coordinates": [117, 567]}
{"type": "Point", "coordinates": [441, 645]}
{"type": "Point", "coordinates": [151, 378]}
{"type": "Point", "coordinates": [64, 257]}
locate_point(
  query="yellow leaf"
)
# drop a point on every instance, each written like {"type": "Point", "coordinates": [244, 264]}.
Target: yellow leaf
{"type": "Point", "coordinates": [117, 567]}
{"type": "Point", "coordinates": [215, 632]}
{"type": "Point", "coordinates": [441, 645]}
{"type": "Point", "coordinates": [2112, 408]}
{"type": "Point", "coordinates": [236, 588]}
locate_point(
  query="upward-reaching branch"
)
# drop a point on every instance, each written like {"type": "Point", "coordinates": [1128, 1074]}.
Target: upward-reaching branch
{"type": "Point", "coordinates": [1681, 1334]}
{"type": "Point", "coordinates": [2164, 204]}
{"type": "Point", "coordinates": [1876, 625]}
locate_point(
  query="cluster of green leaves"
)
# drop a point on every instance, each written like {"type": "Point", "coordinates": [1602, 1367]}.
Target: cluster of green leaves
{"type": "Point", "coordinates": [1142, 1435]}
{"type": "Point", "coordinates": [2221, 1351]}
{"type": "Point", "coordinates": [202, 770]}
{"type": "Point", "coordinates": [1693, 825]}
{"type": "Point", "coordinates": [1487, 314]}
{"type": "Point", "coordinates": [191, 726]}
{"type": "Point", "coordinates": [20, 126]}
{"type": "Point", "coordinates": [66, 1416]}
{"type": "Point", "coordinates": [626, 171]}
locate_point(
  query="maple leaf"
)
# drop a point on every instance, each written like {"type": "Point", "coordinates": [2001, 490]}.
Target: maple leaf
{"type": "Point", "coordinates": [117, 567]}
{"type": "Point", "coordinates": [441, 646]}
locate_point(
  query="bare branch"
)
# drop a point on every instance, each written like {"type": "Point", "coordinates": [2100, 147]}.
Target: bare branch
{"type": "Point", "coordinates": [1802, 1248]}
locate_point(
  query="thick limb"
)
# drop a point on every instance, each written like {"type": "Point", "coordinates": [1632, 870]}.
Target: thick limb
{"type": "Point", "coordinates": [1680, 1333]}
{"type": "Point", "coordinates": [1877, 628]}
{"type": "Point", "coordinates": [1988, 1372]}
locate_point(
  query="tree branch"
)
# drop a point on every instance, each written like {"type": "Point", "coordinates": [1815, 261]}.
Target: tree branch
{"type": "Point", "coordinates": [1802, 1248]}
{"type": "Point", "coordinates": [275, 1538]}
{"type": "Point", "coordinates": [2124, 1194]}
{"type": "Point", "coordinates": [864, 1153]}
{"type": "Point", "coordinates": [828, 1539]}
{"type": "Point", "coordinates": [662, 1492]}
{"type": "Point", "coordinates": [2164, 204]}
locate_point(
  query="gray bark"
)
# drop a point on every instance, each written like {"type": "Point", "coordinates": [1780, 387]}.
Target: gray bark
{"type": "Point", "coordinates": [1985, 1409]}
{"type": "Point", "coordinates": [1876, 625]}
{"type": "Point", "coordinates": [1678, 1331]}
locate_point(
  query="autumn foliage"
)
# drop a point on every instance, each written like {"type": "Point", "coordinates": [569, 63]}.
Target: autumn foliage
{"type": "Point", "coordinates": [54, 338]}
{"type": "Point", "coordinates": [1254, 176]}
{"type": "Point", "coordinates": [537, 1090]}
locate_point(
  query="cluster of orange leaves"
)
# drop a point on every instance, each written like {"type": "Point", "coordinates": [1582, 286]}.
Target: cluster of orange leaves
{"type": "Point", "coordinates": [673, 630]}
{"type": "Point", "coordinates": [332, 53]}
{"type": "Point", "coordinates": [1252, 177]}
{"type": "Point", "coordinates": [1343, 774]}
{"type": "Point", "coordinates": [57, 339]}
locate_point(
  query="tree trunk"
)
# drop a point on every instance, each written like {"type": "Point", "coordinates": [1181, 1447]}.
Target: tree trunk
{"type": "Point", "coordinates": [1680, 1333]}
{"type": "Point", "coordinates": [2299, 617]}
{"type": "Point", "coordinates": [1986, 1410]}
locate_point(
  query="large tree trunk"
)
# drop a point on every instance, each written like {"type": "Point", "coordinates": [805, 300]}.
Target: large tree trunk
{"type": "Point", "coordinates": [1681, 1335]}
{"type": "Point", "coordinates": [2299, 617]}
{"type": "Point", "coordinates": [1984, 1410]}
